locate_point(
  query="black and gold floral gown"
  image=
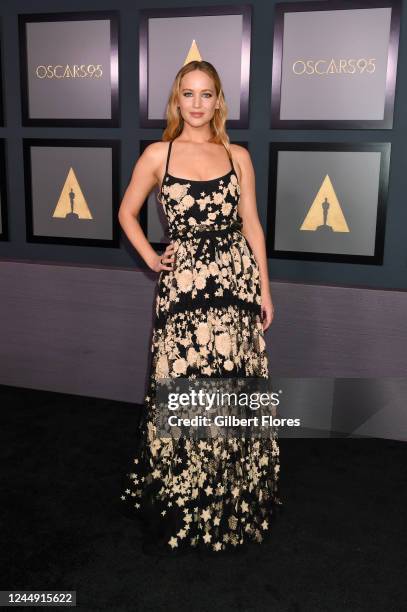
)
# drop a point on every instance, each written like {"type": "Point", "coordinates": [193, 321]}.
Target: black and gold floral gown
{"type": "Point", "coordinates": [217, 493]}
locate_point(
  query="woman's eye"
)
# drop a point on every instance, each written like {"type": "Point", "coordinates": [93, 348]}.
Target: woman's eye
{"type": "Point", "coordinates": [207, 94]}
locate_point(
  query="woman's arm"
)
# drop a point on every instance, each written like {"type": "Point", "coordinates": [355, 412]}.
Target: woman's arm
{"type": "Point", "coordinates": [144, 178]}
{"type": "Point", "coordinates": [252, 229]}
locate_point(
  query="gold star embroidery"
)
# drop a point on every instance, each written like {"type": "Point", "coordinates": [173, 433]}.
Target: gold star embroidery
{"type": "Point", "coordinates": [173, 542]}
{"type": "Point", "coordinates": [232, 522]}
{"type": "Point", "coordinates": [206, 515]}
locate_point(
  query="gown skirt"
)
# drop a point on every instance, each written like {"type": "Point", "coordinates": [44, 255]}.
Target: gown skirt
{"type": "Point", "coordinates": [221, 493]}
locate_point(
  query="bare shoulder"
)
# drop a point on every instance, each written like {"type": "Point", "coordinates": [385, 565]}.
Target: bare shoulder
{"type": "Point", "coordinates": [156, 151]}
{"type": "Point", "coordinates": [240, 154]}
{"type": "Point", "coordinates": [241, 160]}
{"type": "Point", "coordinates": [153, 158]}
{"type": "Point", "coordinates": [238, 149]}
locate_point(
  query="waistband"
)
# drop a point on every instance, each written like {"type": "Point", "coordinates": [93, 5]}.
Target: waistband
{"type": "Point", "coordinates": [201, 230]}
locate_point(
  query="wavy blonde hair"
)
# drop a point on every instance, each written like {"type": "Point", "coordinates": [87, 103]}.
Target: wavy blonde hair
{"type": "Point", "coordinates": [175, 122]}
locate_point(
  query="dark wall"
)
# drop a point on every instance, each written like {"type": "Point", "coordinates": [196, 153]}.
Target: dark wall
{"type": "Point", "coordinates": [393, 272]}
{"type": "Point", "coordinates": [87, 331]}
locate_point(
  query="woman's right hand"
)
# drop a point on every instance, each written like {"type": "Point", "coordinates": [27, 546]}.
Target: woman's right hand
{"type": "Point", "coordinates": [164, 261]}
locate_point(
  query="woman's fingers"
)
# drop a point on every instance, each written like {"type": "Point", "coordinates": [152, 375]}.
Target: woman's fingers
{"type": "Point", "coordinates": [267, 317]}
{"type": "Point", "coordinates": [168, 257]}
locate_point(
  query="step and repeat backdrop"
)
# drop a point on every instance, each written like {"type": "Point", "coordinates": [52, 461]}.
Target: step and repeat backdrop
{"type": "Point", "coordinates": [332, 66]}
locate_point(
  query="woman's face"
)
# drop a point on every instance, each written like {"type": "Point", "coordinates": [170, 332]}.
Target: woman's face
{"type": "Point", "coordinates": [197, 98]}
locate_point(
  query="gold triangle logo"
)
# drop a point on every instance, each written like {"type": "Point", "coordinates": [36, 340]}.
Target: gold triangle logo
{"type": "Point", "coordinates": [325, 213]}
{"type": "Point", "coordinates": [72, 201]}
{"type": "Point", "coordinates": [193, 53]}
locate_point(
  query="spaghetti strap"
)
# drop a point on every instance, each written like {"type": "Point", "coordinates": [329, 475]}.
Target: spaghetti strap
{"type": "Point", "coordinates": [166, 169]}
{"type": "Point", "coordinates": [231, 160]}
{"type": "Point", "coordinates": [168, 158]}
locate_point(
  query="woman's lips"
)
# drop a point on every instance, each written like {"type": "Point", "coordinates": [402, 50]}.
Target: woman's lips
{"type": "Point", "coordinates": [196, 114]}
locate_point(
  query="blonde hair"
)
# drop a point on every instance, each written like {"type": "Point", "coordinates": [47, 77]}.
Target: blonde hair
{"type": "Point", "coordinates": [175, 121]}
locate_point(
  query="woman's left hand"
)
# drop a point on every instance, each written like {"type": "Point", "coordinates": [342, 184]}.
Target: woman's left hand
{"type": "Point", "coordinates": [267, 310]}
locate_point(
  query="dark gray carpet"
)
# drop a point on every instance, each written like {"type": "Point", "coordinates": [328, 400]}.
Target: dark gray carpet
{"type": "Point", "coordinates": [338, 544]}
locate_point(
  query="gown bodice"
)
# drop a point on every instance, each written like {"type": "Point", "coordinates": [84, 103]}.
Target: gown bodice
{"type": "Point", "coordinates": [194, 205]}
{"type": "Point", "coordinates": [214, 263]}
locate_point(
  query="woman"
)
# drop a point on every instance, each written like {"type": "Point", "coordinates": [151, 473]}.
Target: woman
{"type": "Point", "coordinates": [212, 308]}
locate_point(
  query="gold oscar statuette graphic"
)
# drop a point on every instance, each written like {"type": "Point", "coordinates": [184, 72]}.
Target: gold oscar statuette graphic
{"type": "Point", "coordinates": [72, 203]}
{"type": "Point", "coordinates": [193, 53]}
{"type": "Point", "coordinates": [325, 213]}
